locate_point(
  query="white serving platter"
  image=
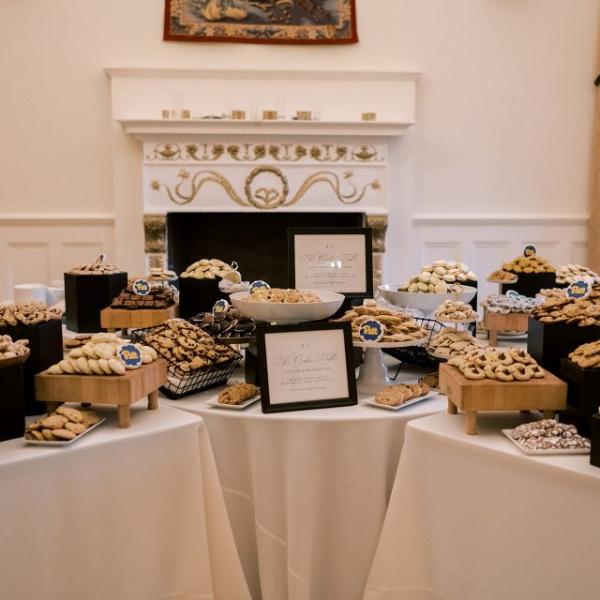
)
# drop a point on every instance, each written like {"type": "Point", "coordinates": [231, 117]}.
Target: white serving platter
{"type": "Point", "coordinates": [65, 442]}
{"type": "Point", "coordinates": [372, 402]}
{"type": "Point", "coordinates": [425, 302]}
{"type": "Point", "coordinates": [548, 452]}
{"type": "Point", "coordinates": [216, 404]}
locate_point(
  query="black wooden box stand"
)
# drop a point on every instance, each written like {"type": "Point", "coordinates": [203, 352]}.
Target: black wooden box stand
{"type": "Point", "coordinates": [198, 295]}
{"type": "Point", "coordinates": [583, 397]}
{"type": "Point", "coordinates": [548, 343]}
{"type": "Point", "coordinates": [595, 454]}
{"type": "Point", "coordinates": [529, 284]}
{"type": "Point", "coordinates": [87, 295]}
{"type": "Point", "coordinates": [45, 349]}
{"type": "Point", "coordinates": [12, 404]}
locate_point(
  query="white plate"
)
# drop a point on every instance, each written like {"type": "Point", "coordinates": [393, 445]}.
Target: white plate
{"type": "Point", "coordinates": [65, 442]}
{"type": "Point", "coordinates": [216, 404]}
{"type": "Point", "coordinates": [548, 452]}
{"type": "Point", "coordinates": [423, 301]}
{"type": "Point", "coordinates": [389, 344]}
{"type": "Point", "coordinates": [288, 313]}
{"type": "Point", "coordinates": [430, 394]}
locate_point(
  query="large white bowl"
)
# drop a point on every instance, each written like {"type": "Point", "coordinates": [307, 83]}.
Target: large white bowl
{"type": "Point", "coordinates": [422, 301]}
{"type": "Point", "coordinates": [288, 313]}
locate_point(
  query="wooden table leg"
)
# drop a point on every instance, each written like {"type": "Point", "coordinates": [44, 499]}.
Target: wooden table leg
{"type": "Point", "coordinates": [52, 406]}
{"type": "Point", "coordinates": [549, 414]}
{"type": "Point", "coordinates": [471, 422]}
{"type": "Point", "coordinates": [452, 410]}
{"type": "Point", "coordinates": [153, 400]}
{"type": "Point", "coordinates": [493, 338]}
{"type": "Point", "coordinates": [124, 414]}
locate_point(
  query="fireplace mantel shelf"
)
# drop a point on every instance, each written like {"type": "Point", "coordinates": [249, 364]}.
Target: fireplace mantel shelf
{"type": "Point", "coordinates": [144, 128]}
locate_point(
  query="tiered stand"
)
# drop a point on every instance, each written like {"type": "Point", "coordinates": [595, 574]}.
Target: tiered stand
{"type": "Point", "coordinates": [471, 396]}
{"type": "Point", "coordinates": [495, 323]}
{"type": "Point", "coordinates": [120, 390]}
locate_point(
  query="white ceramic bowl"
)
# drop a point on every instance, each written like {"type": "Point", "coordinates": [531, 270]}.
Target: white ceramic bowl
{"type": "Point", "coordinates": [283, 314]}
{"type": "Point", "coordinates": [424, 302]}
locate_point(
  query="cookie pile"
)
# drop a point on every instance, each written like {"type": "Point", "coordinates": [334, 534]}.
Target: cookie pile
{"type": "Point", "coordinates": [587, 356]}
{"type": "Point", "coordinates": [212, 268]}
{"type": "Point", "coordinates": [10, 349]}
{"type": "Point", "coordinates": [505, 365]}
{"type": "Point", "coordinates": [571, 273]}
{"type": "Point", "coordinates": [238, 393]}
{"type": "Point", "coordinates": [78, 341]}
{"type": "Point", "coordinates": [528, 264]}
{"type": "Point", "coordinates": [549, 434]}
{"type": "Point", "coordinates": [229, 324]}
{"type": "Point", "coordinates": [98, 267]}
{"type": "Point", "coordinates": [395, 395]}
{"type": "Point", "coordinates": [31, 313]}
{"type": "Point", "coordinates": [560, 309]}
{"type": "Point", "coordinates": [280, 296]}
{"type": "Point", "coordinates": [501, 276]}
{"type": "Point", "coordinates": [158, 297]}
{"type": "Point", "coordinates": [439, 278]}
{"type": "Point", "coordinates": [452, 310]}
{"type": "Point", "coordinates": [158, 274]}
{"type": "Point", "coordinates": [62, 425]}
{"type": "Point", "coordinates": [498, 303]}
{"type": "Point", "coordinates": [99, 356]}
{"type": "Point", "coordinates": [187, 346]}
{"type": "Point", "coordinates": [398, 326]}
{"type": "Point", "coordinates": [449, 342]}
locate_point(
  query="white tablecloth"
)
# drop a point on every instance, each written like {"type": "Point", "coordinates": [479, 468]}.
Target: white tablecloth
{"type": "Point", "coordinates": [306, 492]}
{"type": "Point", "coordinates": [471, 518]}
{"type": "Point", "coordinates": [123, 514]}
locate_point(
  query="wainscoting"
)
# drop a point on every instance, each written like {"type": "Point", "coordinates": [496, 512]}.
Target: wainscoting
{"type": "Point", "coordinates": [40, 248]}
{"type": "Point", "coordinates": [484, 243]}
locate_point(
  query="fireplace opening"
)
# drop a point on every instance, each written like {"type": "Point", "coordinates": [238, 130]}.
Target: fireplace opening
{"type": "Point", "coordinates": [257, 241]}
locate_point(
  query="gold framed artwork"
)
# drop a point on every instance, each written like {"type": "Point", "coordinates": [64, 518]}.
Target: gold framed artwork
{"type": "Point", "coordinates": [261, 21]}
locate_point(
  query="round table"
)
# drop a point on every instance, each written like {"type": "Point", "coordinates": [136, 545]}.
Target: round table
{"type": "Point", "coordinates": [307, 491]}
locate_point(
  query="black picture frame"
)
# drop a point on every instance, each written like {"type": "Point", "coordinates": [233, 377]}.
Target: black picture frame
{"type": "Point", "coordinates": [329, 232]}
{"type": "Point", "coordinates": [346, 370]}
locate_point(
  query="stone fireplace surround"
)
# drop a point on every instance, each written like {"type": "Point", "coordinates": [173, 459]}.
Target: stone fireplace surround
{"type": "Point", "coordinates": [336, 164]}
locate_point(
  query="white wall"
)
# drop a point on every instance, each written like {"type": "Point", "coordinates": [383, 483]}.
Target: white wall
{"type": "Point", "coordinates": [504, 109]}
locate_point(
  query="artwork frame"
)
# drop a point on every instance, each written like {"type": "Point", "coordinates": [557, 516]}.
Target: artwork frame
{"type": "Point", "coordinates": [207, 21]}
{"type": "Point", "coordinates": [362, 245]}
{"type": "Point", "coordinates": [278, 376]}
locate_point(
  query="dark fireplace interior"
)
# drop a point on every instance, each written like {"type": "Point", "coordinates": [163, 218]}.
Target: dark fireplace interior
{"type": "Point", "coordinates": [257, 241]}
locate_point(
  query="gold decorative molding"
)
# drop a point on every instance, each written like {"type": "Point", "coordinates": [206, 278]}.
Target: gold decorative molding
{"type": "Point", "coordinates": [265, 193]}
{"type": "Point", "coordinates": [284, 152]}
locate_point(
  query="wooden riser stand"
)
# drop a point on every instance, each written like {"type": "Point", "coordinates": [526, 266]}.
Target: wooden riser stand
{"type": "Point", "coordinates": [548, 395]}
{"type": "Point", "coordinates": [496, 323]}
{"type": "Point", "coordinates": [112, 319]}
{"type": "Point", "coordinates": [119, 390]}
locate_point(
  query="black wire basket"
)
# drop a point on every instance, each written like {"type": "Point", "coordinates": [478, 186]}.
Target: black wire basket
{"type": "Point", "coordinates": [185, 383]}
{"type": "Point", "coordinates": [418, 355]}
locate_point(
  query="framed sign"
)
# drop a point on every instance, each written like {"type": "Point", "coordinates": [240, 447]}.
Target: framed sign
{"type": "Point", "coordinates": [334, 259]}
{"type": "Point", "coordinates": [306, 366]}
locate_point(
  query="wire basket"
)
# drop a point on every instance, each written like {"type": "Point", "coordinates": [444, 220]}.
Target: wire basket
{"type": "Point", "coordinates": [185, 383]}
{"type": "Point", "coordinates": [418, 355]}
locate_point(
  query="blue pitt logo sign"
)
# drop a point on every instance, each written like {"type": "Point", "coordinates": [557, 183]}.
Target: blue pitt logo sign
{"type": "Point", "coordinates": [371, 331]}
{"type": "Point", "coordinates": [579, 290]}
{"type": "Point", "coordinates": [141, 287]}
{"type": "Point", "coordinates": [130, 356]}
{"type": "Point", "coordinates": [220, 306]}
{"type": "Point", "coordinates": [259, 283]}
{"type": "Point", "coordinates": [530, 250]}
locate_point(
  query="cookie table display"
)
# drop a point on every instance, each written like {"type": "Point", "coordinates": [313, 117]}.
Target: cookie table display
{"type": "Point", "coordinates": [89, 289]}
{"type": "Point", "coordinates": [375, 328]}
{"type": "Point", "coordinates": [12, 383]}
{"type": "Point", "coordinates": [561, 325]}
{"type": "Point", "coordinates": [434, 284]}
{"type": "Point", "coordinates": [195, 361]}
{"type": "Point", "coordinates": [199, 285]}
{"type": "Point", "coordinates": [581, 370]}
{"type": "Point", "coordinates": [145, 302]}
{"type": "Point", "coordinates": [533, 272]}
{"type": "Point", "coordinates": [106, 370]}
{"type": "Point", "coordinates": [499, 380]}
{"type": "Point", "coordinates": [507, 313]}
{"type": "Point", "coordinates": [41, 326]}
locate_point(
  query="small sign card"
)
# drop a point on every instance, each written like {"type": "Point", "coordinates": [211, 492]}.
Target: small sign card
{"type": "Point", "coordinates": [258, 284]}
{"type": "Point", "coordinates": [579, 290]}
{"type": "Point", "coordinates": [371, 331]}
{"type": "Point", "coordinates": [306, 366]}
{"type": "Point", "coordinates": [141, 287]}
{"type": "Point", "coordinates": [530, 250]}
{"type": "Point", "coordinates": [334, 259]}
{"type": "Point", "coordinates": [130, 356]}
